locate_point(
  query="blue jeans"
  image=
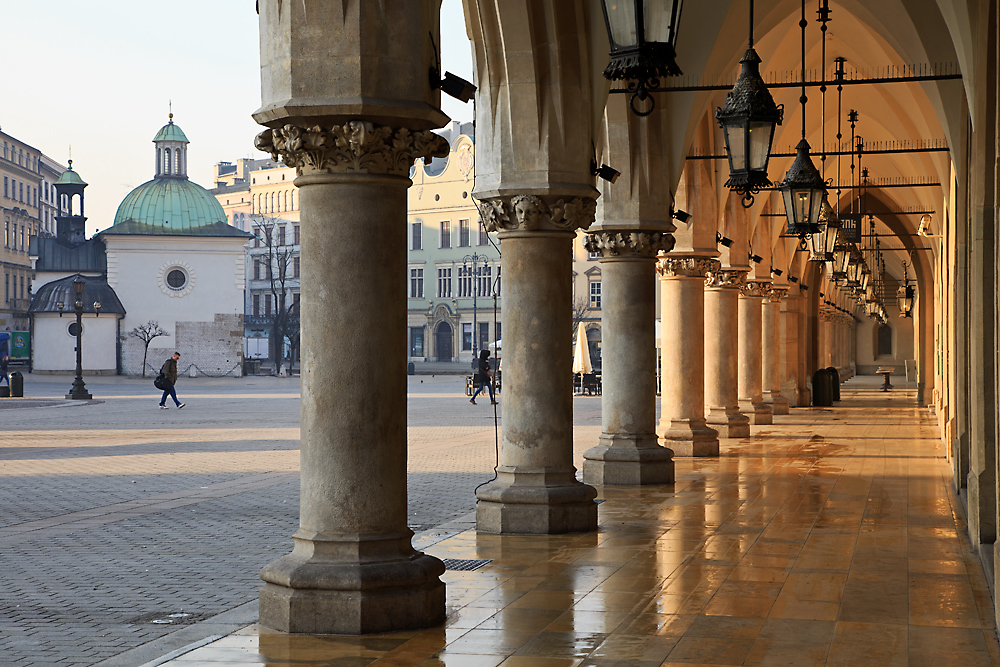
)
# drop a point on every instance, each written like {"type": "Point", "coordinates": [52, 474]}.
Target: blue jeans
{"type": "Point", "coordinates": [172, 393]}
{"type": "Point", "coordinates": [485, 381]}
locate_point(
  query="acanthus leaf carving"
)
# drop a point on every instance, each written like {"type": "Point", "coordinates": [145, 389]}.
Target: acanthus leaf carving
{"type": "Point", "coordinates": [755, 288]}
{"type": "Point", "coordinates": [686, 267]}
{"type": "Point", "coordinates": [636, 244]}
{"type": "Point", "coordinates": [730, 278]}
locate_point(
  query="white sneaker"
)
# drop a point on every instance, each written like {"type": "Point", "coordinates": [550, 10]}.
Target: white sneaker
{"type": "Point", "coordinates": [164, 407]}
{"type": "Point", "coordinates": [181, 406]}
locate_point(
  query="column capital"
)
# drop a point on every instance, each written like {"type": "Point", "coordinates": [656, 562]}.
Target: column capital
{"type": "Point", "coordinates": [686, 267]}
{"type": "Point", "coordinates": [756, 288]}
{"type": "Point", "coordinates": [357, 146]}
{"type": "Point", "coordinates": [531, 213]}
{"type": "Point", "coordinates": [628, 244]}
{"type": "Point", "coordinates": [777, 294]}
{"type": "Point", "coordinates": [731, 278]}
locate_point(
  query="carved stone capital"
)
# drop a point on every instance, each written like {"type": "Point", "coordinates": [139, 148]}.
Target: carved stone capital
{"type": "Point", "coordinates": [529, 213]}
{"type": "Point", "coordinates": [756, 288]}
{"type": "Point", "coordinates": [356, 146]}
{"type": "Point", "coordinates": [638, 245]}
{"type": "Point", "coordinates": [731, 278]}
{"type": "Point", "coordinates": [686, 267]}
{"type": "Point", "coordinates": [777, 294]}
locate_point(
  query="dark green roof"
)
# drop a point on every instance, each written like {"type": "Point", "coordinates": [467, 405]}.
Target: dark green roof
{"type": "Point", "coordinates": [50, 295]}
{"type": "Point", "coordinates": [172, 206]}
{"type": "Point", "coordinates": [171, 132]}
{"type": "Point", "coordinates": [55, 255]}
{"type": "Point", "coordinates": [70, 177]}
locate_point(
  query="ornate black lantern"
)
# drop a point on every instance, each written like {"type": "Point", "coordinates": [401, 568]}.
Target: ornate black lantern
{"type": "Point", "coordinates": [823, 243]}
{"type": "Point", "coordinates": [748, 119]}
{"type": "Point", "coordinates": [803, 191]}
{"type": "Point", "coordinates": [904, 296]}
{"type": "Point", "coordinates": [643, 36]}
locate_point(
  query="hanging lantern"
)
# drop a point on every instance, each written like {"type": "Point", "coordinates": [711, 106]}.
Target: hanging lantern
{"type": "Point", "coordinates": [904, 296]}
{"type": "Point", "coordinates": [854, 268]}
{"type": "Point", "coordinates": [643, 36]}
{"type": "Point", "coordinates": [802, 190]}
{"type": "Point", "coordinates": [823, 243]}
{"type": "Point", "coordinates": [748, 120]}
{"type": "Point", "coordinates": [841, 257]}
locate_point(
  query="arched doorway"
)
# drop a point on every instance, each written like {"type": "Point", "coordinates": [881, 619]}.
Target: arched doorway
{"type": "Point", "coordinates": [443, 342]}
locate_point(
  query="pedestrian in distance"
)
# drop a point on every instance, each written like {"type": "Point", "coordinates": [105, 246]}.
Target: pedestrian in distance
{"type": "Point", "coordinates": [4, 362]}
{"type": "Point", "coordinates": [485, 377]}
{"type": "Point", "coordinates": [169, 373]}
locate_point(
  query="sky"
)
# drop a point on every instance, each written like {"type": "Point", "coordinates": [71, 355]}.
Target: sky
{"type": "Point", "coordinates": [98, 76]}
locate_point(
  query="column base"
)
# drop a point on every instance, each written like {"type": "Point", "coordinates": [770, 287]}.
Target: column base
{"type": "Point", "coordinates": [352, 584]}
{"type": "Point", "coordinates": [728, 423]}
{"type": "Point", "coordinates": [536, 501]}
{"type": "Point", "coordinates": [759, 412]}
{"type": "Point", "coordinates": [778, 403]}
{"type": "Point", "coordinates": [628, 460]}
{"type": "Point", "coordinates": [690, 438]}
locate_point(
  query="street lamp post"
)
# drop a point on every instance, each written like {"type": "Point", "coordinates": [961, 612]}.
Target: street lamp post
{"type": "Point", "coordinates": [475, 259]}
{"type": "Point", "coordinates": [79, 389]}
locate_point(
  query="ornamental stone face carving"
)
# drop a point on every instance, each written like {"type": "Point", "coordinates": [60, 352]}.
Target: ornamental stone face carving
{"type": "Point", "coordinates": [686, 267]}
{"type": "Point", "coordinates": [536, 213]}
{"type": "Point", "coordinates": [756, 289]}
{"type": "Point", "coordinates": [356, 146]}
{"type": "Point", "coordinates": [731, 278]}
{"type": "Point", "coordinates": [638, 245]}
{"type": "Point", "coordinates": [777, 294]}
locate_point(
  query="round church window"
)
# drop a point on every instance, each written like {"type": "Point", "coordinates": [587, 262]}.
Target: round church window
{"type": "Point", "coordinates": [71, 329]}
{"type": "Point", "coordinates": [176, 279]}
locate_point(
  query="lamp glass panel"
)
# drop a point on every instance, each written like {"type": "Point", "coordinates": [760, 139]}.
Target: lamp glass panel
{"type": "Point", "coordinates": [736, 143]}
{"type": "Point", "coordinates": [789, 209]}
{"type": "Point", "coordinates": [759, 138]}
{"type": "Point", "coordinates": [803, 206]}
{"type": "Point", "coordinates": [621, 19]}
{"type": "Point", "coordinates": [816, 200]}
{"type": "Point", "coordinates": [658, 18]}
{"type": "Point", "coordinates": [830, 239]}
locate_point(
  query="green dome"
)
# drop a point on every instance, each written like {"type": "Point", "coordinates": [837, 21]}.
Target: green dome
{"type": "Point", "coordinates": [171, 206]}
{"type": "Point", "coordinates": [171, 132]}
{"type": "Point", "coordinates": [69, 177]}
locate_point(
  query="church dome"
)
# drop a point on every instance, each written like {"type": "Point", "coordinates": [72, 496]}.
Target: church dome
{"type": "Point", "coordinates": [170, 203]}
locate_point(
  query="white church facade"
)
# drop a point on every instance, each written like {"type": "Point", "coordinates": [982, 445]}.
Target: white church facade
{"type": "Point", "coordinates": [170, 257]}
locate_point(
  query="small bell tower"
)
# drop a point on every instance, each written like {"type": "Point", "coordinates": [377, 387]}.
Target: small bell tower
{"type": "Point", "coordinates": [71, 223]}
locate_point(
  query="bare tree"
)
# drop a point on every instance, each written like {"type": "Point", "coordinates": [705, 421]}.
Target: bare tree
{"type": "Point", "coordinates": [146, 333]}
{"type": "Point", "coordinates": [581, 308]}
{"type": "Point", "coordinates": [279, 258]}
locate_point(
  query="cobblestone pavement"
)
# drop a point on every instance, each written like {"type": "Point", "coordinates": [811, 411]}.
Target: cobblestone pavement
{"type": "Point", "coordinates": [118, 514]}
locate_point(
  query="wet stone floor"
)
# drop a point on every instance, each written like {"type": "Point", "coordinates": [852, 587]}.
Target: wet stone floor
{"type": "Point", "coordinates": [829, 538]}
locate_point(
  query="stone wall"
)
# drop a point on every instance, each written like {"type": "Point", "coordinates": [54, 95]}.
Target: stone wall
{"type": "Point", "coordinates": [212, 348]}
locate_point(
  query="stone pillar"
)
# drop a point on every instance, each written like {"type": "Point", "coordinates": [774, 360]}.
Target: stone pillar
{"type": "Point", "coordinates": [771, 352]}
{"type": "Point", "coordinates": [353, 569]}
{"type": "Point", "coordinates": [682, 424]}
{"type": "Point", "coordinates": [627, 452]}
{"type": "Point", "coordinates": [750, 362]}
{"type": "Point", "coordinates": [722, 291]}
{"type": "Point", "coordinates": [536, 490]}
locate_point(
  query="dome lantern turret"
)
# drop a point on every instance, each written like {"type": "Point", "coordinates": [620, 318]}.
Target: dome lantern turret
{"type": "Point", "coordinates": [171, 151]}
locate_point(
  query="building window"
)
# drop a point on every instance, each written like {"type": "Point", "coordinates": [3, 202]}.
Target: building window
{"type": "Point", "coordinates": [256, 269]}
{"type": "Point", "coordinates": [445, 236]}
{"type": "Point", "coordinates": [594, 255]}
{"type": "Point", "coordinates": [464, 282]}
{"type": "Point", "coordinates": [416, 236]}
{"type": "Point", "coordinates": [466, 335]}
{"type": "Point", "coordinates": [176, 279]}
{"type": "Point", "coordinates": [484, 335]}
{"type": "Point", "coordinates": [416, 283]}
{"type": "Point", "coordinates": [444, 284]}
{"type": "Point", "coordinates": [296, 267]}
{"type": "Point", "coordinates": [484, 288]}
{"type": "Point", "coordinates": [5, 191]}
{"type": "Point", "coordinates": [20, 188]}
{"type": "Point", "coordinates": [595, 294]}
{"type": "Point", "coordinates": [297, 234]}
{"type": "Point", "coordinates": [267, 304]}
{"type": "Point", "coordinates": [884, 340]}
{"type": "Point", "coordinates": [463, 234]}
{"type": "Point", "coordinates": [256, 304]}
{"type": "Point", "coordinates": [416, 341]}
{"type": "Point", "coordinates": [281, 235]}
{"type": "Point", "coordinates": [166, 161]}
{"type": "Point", "coordinates": [484, 236]}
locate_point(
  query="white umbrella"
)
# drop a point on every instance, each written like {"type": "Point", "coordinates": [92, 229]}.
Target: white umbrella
{"type": "Point", "coordinates": [496, 345]}
{"type": "Point", "coordinates": [581, 352]}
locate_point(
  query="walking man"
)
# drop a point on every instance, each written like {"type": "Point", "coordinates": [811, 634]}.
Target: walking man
{"type": "Point", "coordinates": [4, 360]}
{"type": "Point", "coordinates": [169, 371]}
{"type": "Point", "coordinates": [485, 377]}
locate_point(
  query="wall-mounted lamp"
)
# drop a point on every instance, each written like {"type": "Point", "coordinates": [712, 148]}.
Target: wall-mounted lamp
{"type": "Point", "coordinates": [776, 272]}
{"type": "Point", "coordinates": [756, 259]}
{"type": "Point", "coordinates": [793, 279]}
{"type": "Point", "coordinates": [726, 242]}
{"type": "Point", "coordinates": [97, 308]}
{"type": "Point", "coordinates": [924, 228]}
{"type": "Point", "coordinates": [682, 216]}
{"type": "Point", "coordinates": [803, 286]}
{"type": "Point", "coordinates": [609, 174]}
{"type": "Point", "coordinates": [452, 85]}
{"type": "Point", "coordinates": [60, 305]}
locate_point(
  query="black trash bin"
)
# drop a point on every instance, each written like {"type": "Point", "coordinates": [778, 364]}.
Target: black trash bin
{"type": "Point", "coordinates": [411, 368]}
{"type": "Point", "coordinates": [4, 391]}
{"type": "Point", "coordinates": [835, 382]}
{"type": "Point", "coordinates": [822, 390]}
{"type": "Point", "coordinates": [16, 383]}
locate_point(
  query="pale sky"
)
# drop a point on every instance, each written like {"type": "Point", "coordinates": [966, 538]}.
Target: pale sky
{"type": "Point", "coordinates": [98, 75]}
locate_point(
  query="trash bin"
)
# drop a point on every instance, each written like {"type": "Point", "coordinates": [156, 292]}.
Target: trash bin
{"type": "Point", "coordinates": [4, 391]}
{"type": "Point", "coordinates": [822, 383]}
{"type": "Point", "coordinates": [834, 382]}
{"type": "Point", "coordinates": [411, 368]}
{"type": "Point", "coordinates": [16, 383]}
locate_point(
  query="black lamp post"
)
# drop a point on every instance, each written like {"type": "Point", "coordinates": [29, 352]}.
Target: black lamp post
{"type": "Point", "coordinates": [803, 188]}
{"type": "Point", "coordinates": [643, 36]}
{"type": "Point", "coordinates": [79, 389]}
{"type": "Point", "coordinates": [475, 259]}
{"type": "Point", "coordinates": [748, 119]}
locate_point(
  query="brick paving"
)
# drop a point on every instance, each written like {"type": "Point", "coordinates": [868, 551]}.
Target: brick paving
{"type": "Point", "coordinates": [117, 513]}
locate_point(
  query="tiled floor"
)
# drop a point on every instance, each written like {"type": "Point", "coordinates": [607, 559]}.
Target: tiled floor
{"type": "Point", "coordinates": [829, 538]}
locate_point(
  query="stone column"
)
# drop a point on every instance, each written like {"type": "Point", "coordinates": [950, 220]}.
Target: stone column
{"type": "Point", "coordinates": [771, 352]}
{"type": "Point", "coordinates": [536, 490]}
{"type": "Point", "coordinates": [682, 424]}
{"type": "Point", "coordinates": [627, 452]}
{"type": "Point", "coordinates": [750, 361]}
{"type": "Point", "coordinates": [353, 569]}
{"type": "Point", "coordinates": [722, 291]}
